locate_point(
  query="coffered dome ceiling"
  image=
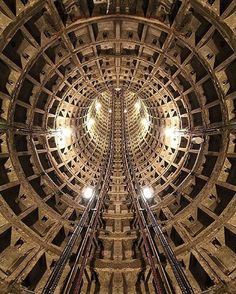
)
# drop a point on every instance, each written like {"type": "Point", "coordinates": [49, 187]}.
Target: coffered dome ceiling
{"type": "Point", "coordinates": [174, 63]}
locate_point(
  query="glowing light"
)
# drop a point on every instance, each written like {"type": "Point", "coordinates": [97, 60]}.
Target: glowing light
{"type": "Point", "coordinates": [197, 140]}
{"type": "Point", "coordinates": [125, 110]}
{"type": "Point", "coordinates": [171, 132]}
{"type": "Point", "coordinates": [87, 192]}
{"type": "Point", "coordinates": [65, 132]}
{"type": "Point", "coordinates": [137, 105]}
{"type": "Point", "coordinates": [110, 111]}
{"type": "Point", "coordinates": [172, 136]}
{"type": "Point", "coordinates": [148, 192]}
{"type": "Point", "coordinates": [98, 106]}
{"type": "Point", "coordinates": [146, 123]}
{"type": "Point", "coordinates": [90, 123]}
{"type": "Point", "coordinates": [117, 89]}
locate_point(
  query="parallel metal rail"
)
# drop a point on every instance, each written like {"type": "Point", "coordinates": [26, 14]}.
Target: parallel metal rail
{"type": "Point", "coordinates": [60, 265]}
{"type": "Point", "coordinates": [74, 281]}
{"type": "Point", "coordinates": [158, 274]}
{"type": "Point", "coordinates": [76, 276]}
{"type": "Point", "coordinates": [160, 279]}
{"type": "Point", "coordinates": [92, 214]}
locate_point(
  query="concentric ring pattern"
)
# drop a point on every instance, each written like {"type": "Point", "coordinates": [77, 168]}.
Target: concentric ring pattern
{"type": "Point", "coordinates": [175, 63]}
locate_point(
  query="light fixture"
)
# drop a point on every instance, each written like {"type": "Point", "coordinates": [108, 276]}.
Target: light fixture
{"type": "Point", "coordinates": [125, 110]}
{"type": "Point", "coordinates": [65, 132]}
{"type": "Point", "coordinates": [98, 106]}
{"type": "Point", "coordinates": [172, 136]}
{"type": "Point", "coordinates": [137, 105]}
{"type": "Point", "coordinates": [117, 89]}
{"type": "Point", "coordinates": [90, 123]}
{"type": "Point", "coordinates": [147, 192]}
{"type": "Point", "coordinates": [171, 132]}
{"type": "Point", "coordinates": [146, 123]}
{"type": "Point", "coordinates": [110, 110]}
{"type": "Point", "coordinates": [197, 140]}
{"type": "Point", "coordinates": [87, 192]}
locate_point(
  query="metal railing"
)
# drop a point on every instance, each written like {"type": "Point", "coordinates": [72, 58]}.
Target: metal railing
{"type": "Point", "coordinates": [140, 204]}
{"type": "Point", "coordinates": [60, 264]}
{"type": "Point", "coordinates": [92, 214]}
{"type": "Point", "coordinates": [94, 205]}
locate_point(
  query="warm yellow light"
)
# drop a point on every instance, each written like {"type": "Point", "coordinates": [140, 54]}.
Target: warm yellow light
{"type": "Point", "coordinates": [197, 140]}
{"type": "Point", "coordinates": [148, 192]}
{"type": "Point", "coordinates": [172, 136]}
{"type": "Point", "coordinates": [125, 110]}
{"type": "Point", "coordinates": [146, 123]}
{"type": "Point", "coordinates": [110, 110]}
{"type": "Point", "coordinates": [137, 105]}
{"type": "Point", "coordinates": [171, 132]}
{"type": "Point", "coordinates": [65, 132]}
{"type": "Point", "coordinates": [90, 123]}
{"type": "Point", "coordinates": [98, 106]}
{"type": "Point", "coordinates": [87, 192]}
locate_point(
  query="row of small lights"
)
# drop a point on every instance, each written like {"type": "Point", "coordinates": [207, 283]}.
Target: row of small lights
{"type": "Point", "coordinates": [169, 132]}
{"type": "Point", "coordinates": [67, 131]}
{"type": "Point", "coordinates": [147, 192]}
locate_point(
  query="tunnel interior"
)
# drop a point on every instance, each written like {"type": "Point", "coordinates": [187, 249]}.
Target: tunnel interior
{"type": "Point", "coordinates": [62, 64]}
